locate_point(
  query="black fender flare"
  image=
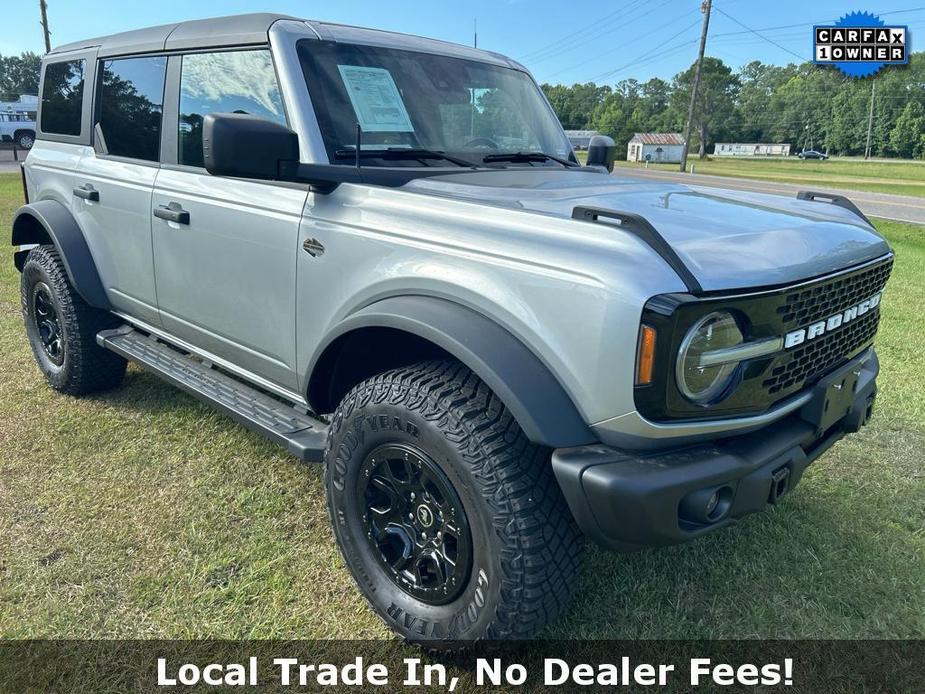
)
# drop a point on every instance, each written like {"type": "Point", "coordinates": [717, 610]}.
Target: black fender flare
{"type": "Point", "coordinates": [525, 385]}
{"type": "Point", "coordinates": [61, 227]}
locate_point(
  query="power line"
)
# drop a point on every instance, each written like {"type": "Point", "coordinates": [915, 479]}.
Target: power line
{"type": "Point", "coordinates": [659, 47]}
{"type": "Point", "coordinates": [598, 33]}
{"type": "Point", "coordinates": [759, 35]}
{"type": "Point", "coordinates": [568, 37]}
{"type": "Point", "coordinates": [628, 43]}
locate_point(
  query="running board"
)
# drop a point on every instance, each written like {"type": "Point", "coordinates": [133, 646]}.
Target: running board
{"type": "Point", "coordinates": [300, 434]}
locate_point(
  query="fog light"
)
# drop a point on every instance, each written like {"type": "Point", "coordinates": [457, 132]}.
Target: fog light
{"type": "Point", "coordinates": [706, 505]}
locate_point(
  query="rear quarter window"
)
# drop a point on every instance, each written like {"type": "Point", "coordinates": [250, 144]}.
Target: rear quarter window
{"type": "Point", "coordinates": [62, 97]}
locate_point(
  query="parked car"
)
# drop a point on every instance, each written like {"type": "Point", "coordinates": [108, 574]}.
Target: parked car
{"type": "Point", "coordinates": [18, 128]}
{"type": "Point", "coordinates": [494, 351]}
{"type": "Point", "coordinates": [812, 154]}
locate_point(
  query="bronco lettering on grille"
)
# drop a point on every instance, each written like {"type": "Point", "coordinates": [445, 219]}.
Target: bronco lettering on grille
{"type": "Point", "coordinates": [833, 322]}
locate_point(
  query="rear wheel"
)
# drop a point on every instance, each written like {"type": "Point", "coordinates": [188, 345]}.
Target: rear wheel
{"type": "Point", "coordinates": [449, 519]}
{"type": "Point", "coordinates": [62, 328]}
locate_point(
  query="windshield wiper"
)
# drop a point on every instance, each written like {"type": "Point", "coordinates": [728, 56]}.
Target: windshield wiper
{"type": "Point", "coordinates": [527, 157]}
{"type": "Point", "coordinates": [403, 153]}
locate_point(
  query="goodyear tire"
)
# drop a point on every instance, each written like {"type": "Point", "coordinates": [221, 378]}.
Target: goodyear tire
{"type": "Point", "coordinates": [62, 328]}
{"type": "Point", "coordinates": [450, 521]}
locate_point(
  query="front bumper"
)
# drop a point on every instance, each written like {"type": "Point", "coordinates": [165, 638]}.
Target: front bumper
{"type": "Point", "coordinates": [628, 500]}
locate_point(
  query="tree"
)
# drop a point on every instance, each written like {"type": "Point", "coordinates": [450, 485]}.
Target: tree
{"type": "Point", "coordinates": [755, 117]}
{"type": "Point", "coordinates": [575, 105]}
{"type": "Point", "coordinates": [19, 74]}
{"type": "Point", "coordinates": [906, 138]}
{"type": "Point", "coordinates": [715, 100]}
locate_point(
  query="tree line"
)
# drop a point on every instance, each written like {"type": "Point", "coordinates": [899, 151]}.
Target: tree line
{"type": "Point", "coordinates": [804, 105]}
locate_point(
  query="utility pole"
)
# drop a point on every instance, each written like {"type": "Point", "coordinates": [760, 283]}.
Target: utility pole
{"type": "Point", "coordinates": [705, 7]}
{"type": "Point", "coordinates": [870, 118]}
{"type": "Point", "coordinates": [475, 33]}
{"type": "Point", "coordinates": [44, 8]}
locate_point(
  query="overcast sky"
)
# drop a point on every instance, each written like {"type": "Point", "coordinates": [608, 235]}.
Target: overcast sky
{"type": "Point", "coordinates": [558, 40]}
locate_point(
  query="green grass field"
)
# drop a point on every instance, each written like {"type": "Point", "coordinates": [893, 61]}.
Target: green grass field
{"type": "Point", "coordinates": [142, 513]}
{"type": "Point", "coordinates": [899, 178]}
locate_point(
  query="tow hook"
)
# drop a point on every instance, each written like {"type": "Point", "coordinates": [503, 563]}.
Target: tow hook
{"type": "Point", "coordinates": [780, 479]}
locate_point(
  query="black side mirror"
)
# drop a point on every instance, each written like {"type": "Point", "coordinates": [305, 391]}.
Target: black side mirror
{"type": "Point", "coordinates": [245, 146]}
{"type": "Point", "coordinates": [602, 150]}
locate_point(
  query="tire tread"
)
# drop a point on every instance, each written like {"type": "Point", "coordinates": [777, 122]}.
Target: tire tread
{"type": "Point", "coordinates": [542, 547]}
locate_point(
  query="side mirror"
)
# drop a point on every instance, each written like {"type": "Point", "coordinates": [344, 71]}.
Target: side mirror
{"type": "Point", "coordinates": [602, 150]}
{"type": "Point", "coordinates": [245, 146]}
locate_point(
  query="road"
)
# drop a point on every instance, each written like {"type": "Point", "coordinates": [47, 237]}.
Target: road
{"type": "Point", "coordinates": [902, 208]}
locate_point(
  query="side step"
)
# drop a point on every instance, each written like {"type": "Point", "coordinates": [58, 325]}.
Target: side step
{"type": "Point", "coordinates": [300, 434]}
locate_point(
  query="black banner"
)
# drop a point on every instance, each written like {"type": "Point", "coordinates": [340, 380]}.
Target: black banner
{"type": "Point", "coordinates": [387, 666]}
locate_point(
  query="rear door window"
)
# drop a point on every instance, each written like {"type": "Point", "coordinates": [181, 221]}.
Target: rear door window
{"type": "Point", "coordinates": [131, 100]}
{"type": "Point", "coordinates": [228, 82]}
{"type": "Point", "coordinates": [62, 97]}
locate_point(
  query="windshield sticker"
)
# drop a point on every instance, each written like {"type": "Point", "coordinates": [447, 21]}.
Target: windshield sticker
{"type": "Point", "coordinates": [375, 98]}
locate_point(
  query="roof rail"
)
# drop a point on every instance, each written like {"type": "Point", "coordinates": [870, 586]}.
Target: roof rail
{"type": "Point", "coordinates": [640, 227]}
{"type": "Point", "coordinates": [832, 199]}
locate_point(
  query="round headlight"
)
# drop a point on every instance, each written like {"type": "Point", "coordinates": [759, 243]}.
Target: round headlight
{"type": "Point", "coordinates": [701, 383]}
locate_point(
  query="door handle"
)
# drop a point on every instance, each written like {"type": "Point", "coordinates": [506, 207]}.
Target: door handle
{"type": "Point", "coordinates": [87, 192]}
{"type": "Point", "coordinates": [172, 213]}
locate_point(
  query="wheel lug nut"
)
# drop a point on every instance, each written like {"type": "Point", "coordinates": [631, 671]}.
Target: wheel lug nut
{"type": "Point", "coordinates": [410, 516]}
{"type": "Point", "coordinates": [412, 496]}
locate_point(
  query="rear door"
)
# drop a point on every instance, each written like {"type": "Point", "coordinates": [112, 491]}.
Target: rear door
{"type": "Point", "coordinates": [225, 249]}
{"type": "Point", "coordinates": [115, 180]}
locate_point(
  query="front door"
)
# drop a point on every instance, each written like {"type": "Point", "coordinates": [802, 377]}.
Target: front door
{"type": "Point", "coordinates": [225, 250]}
{"type": "Point", "coordinates": [114, 180]}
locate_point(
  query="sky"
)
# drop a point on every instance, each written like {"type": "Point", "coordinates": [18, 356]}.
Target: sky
{"type": "Point", "coordinates": [560, 41]}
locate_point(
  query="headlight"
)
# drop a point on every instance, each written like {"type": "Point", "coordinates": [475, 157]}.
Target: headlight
{"type": "Point", "coordinates": [699, 380]}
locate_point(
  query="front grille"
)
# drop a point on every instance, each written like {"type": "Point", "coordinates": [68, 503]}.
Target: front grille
{"type": "Point", "coordinates": [794, 369]}
{"type": "Point", "coordinates": [822, 300]}
{"type": "Point", "coordinates": [815, 358]}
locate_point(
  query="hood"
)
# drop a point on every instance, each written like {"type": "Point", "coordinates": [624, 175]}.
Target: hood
{"type": "Point", "coordinates": [729, 239]}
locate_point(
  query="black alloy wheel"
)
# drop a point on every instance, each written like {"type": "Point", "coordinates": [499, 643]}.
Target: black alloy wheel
{"type": "Point", "coordinates": [415, 523]}
{"type": "Point", "coordinates": [47, 323]}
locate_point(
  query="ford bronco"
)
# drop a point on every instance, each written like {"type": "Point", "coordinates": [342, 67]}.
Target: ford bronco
{"type": "Point", "coordinates": [380, 251]}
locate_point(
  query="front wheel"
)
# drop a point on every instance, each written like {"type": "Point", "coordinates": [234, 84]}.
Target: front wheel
{"type": "Point", "coordinates": [449, 519]}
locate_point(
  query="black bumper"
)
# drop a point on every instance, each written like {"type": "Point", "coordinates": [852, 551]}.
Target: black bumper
{"type": "Point", "coordinates": [628, 500]}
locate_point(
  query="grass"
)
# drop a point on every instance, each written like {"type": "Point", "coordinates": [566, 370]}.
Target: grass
{"type": "Point", "coordinates": [142, 513]}
{"type": "Point", "coordinates": [897, 177]}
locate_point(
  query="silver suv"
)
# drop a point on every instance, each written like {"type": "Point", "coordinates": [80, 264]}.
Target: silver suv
{"type": "Point", "coordinates": [379, 251]}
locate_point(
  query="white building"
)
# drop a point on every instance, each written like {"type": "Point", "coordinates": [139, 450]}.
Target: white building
{"type": "Point", "coordinates": [750, 149]}
{"type": "Point", "coordinates": [655, 147]}
{"type": "Point", "coordinates": [580, 138]}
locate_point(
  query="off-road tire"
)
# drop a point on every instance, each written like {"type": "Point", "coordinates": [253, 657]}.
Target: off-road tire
{"type": "Point", "coordinates": [84, 366]}
{"type": "Point", "coordinates": [526, 549]}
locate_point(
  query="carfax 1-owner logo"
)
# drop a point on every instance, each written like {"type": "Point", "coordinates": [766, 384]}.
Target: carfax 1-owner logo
{"type": "Point", "coordinates": [860, 44]}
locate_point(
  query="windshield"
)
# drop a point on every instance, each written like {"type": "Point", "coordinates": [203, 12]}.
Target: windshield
{"type": "Point", "coordinates": [404, 100]}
